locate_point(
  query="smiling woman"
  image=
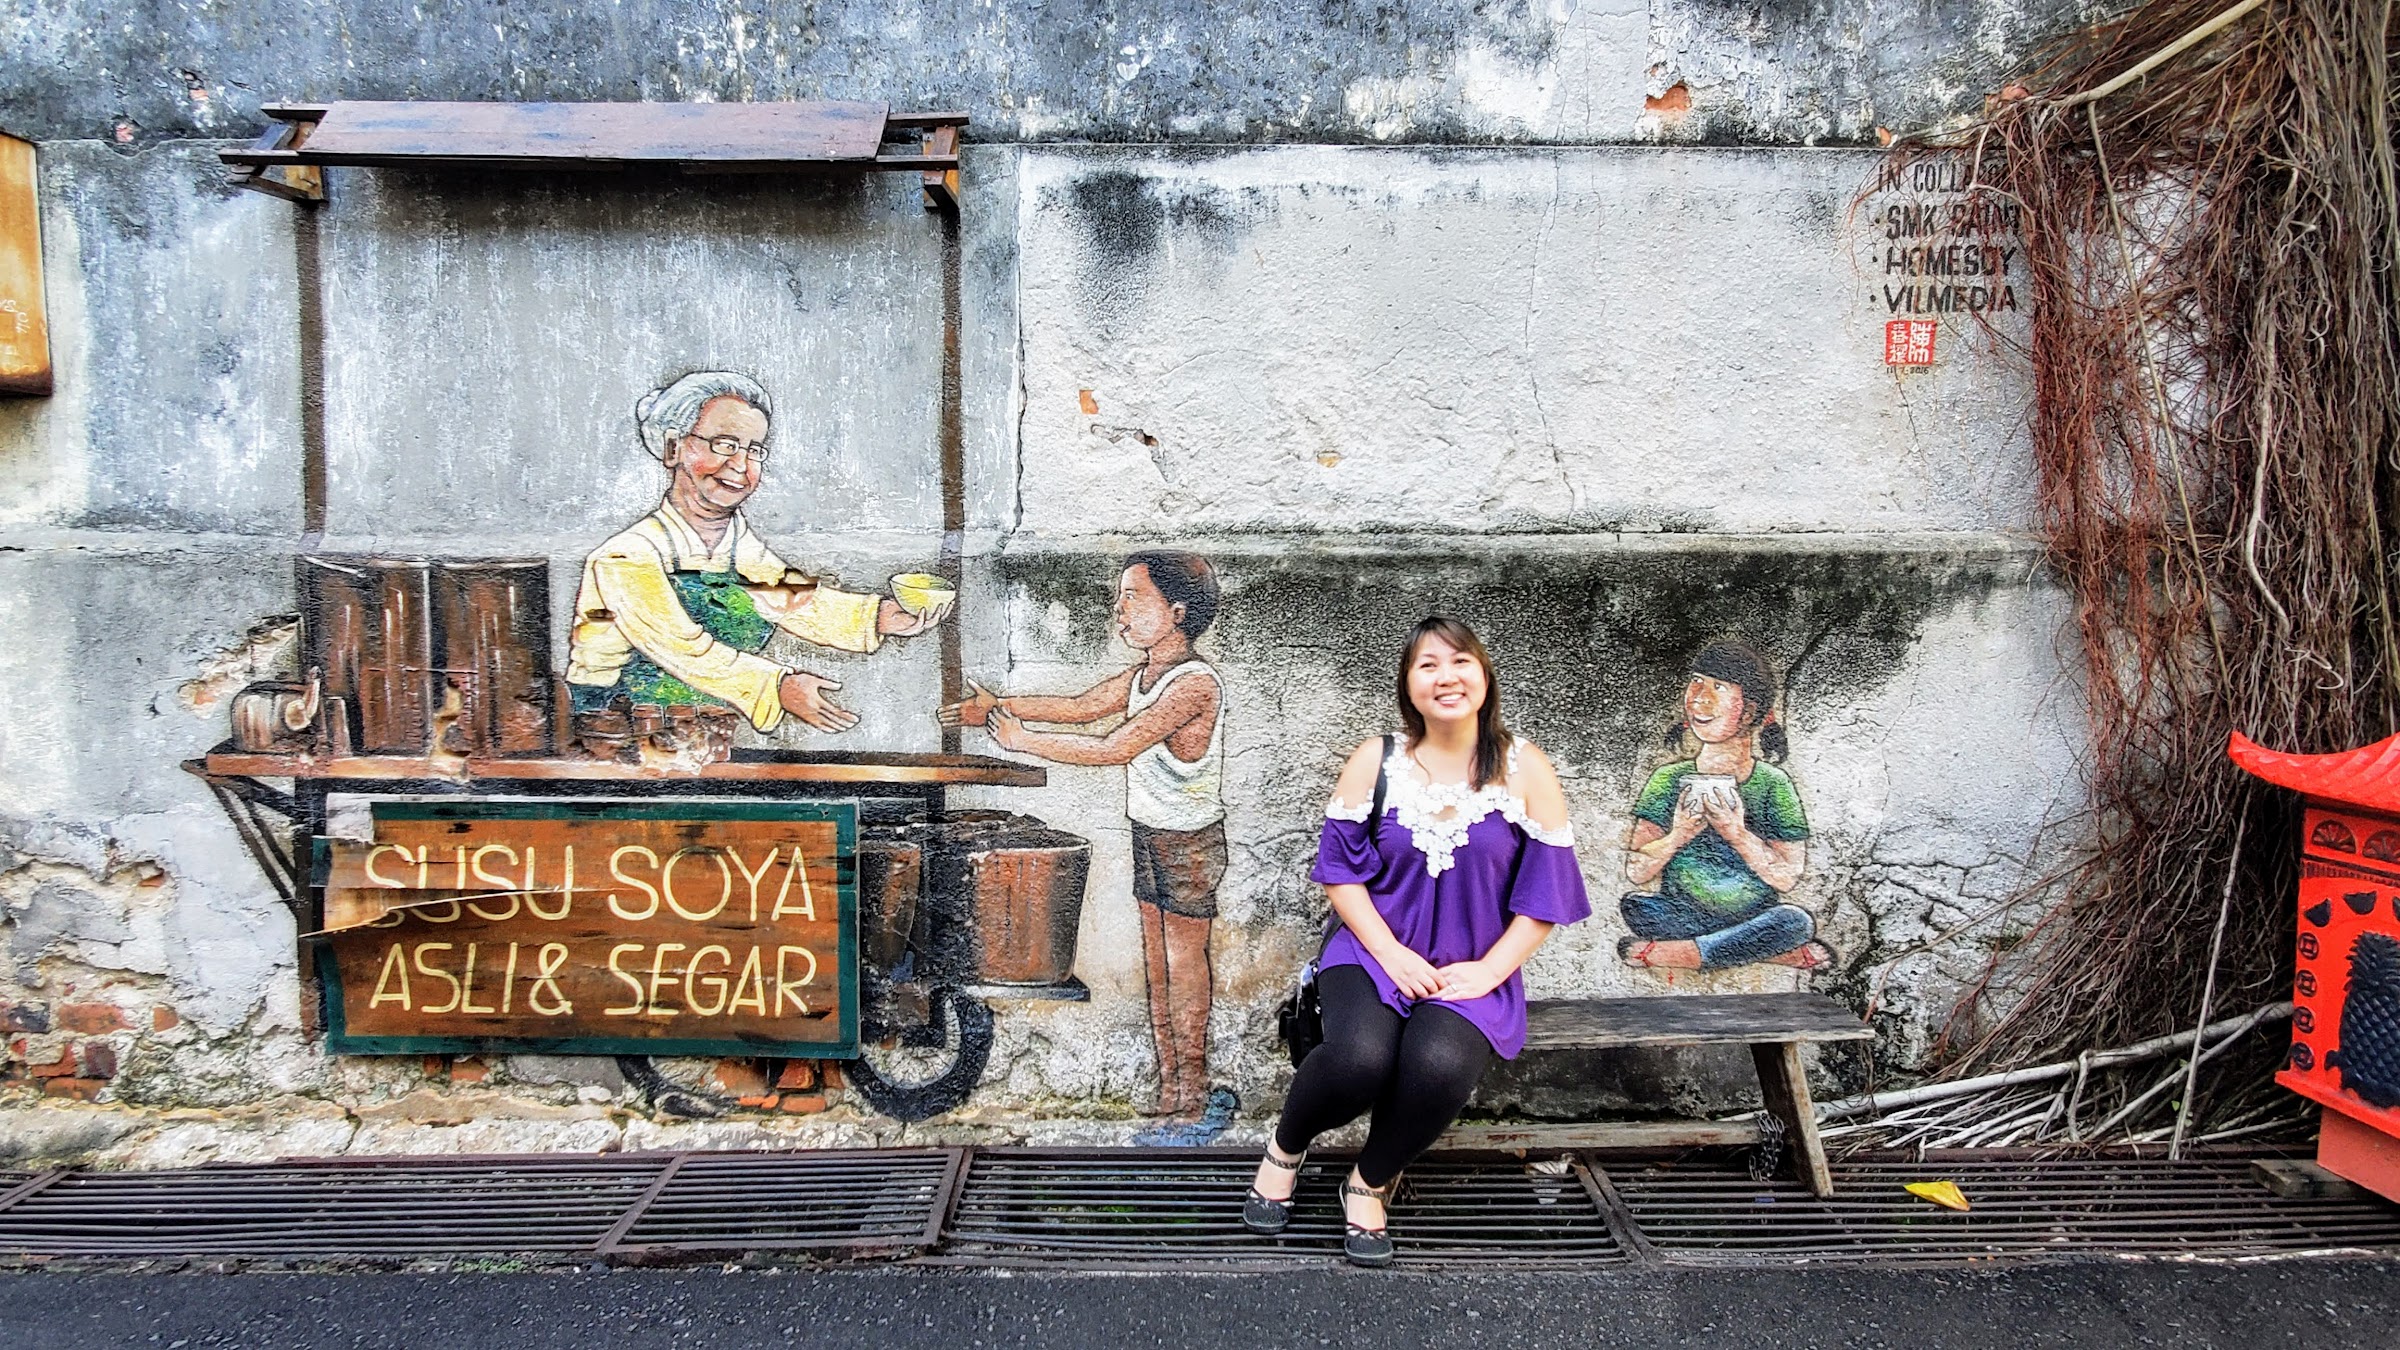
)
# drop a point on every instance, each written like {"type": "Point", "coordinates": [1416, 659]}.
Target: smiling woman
{"type": "Point", "coordinates": [1439, 898]}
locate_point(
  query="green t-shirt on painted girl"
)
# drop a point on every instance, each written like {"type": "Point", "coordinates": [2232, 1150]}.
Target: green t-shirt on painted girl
{"type": "Point", "coordinates": [1707, 871]}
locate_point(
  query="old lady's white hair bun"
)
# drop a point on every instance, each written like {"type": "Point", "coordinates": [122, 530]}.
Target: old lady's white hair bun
{"type": "Point", "coordinates": [662, 415]}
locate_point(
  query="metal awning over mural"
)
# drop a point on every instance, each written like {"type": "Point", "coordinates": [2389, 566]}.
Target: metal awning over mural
{"type": "Point", "coordinates": [791, 137]}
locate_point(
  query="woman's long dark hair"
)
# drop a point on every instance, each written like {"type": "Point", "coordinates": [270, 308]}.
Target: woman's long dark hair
{"type": "Point", "coordinates": [1491, 738]}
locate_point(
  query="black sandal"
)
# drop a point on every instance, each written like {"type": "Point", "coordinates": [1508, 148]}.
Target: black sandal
{"type": "Point", "coordinates": [1361, 1245]}
{"type": "Point", "coordinates": [1265, 1214]}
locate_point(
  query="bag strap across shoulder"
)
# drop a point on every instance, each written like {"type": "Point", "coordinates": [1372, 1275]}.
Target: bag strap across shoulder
{"type": "Point", "coordinates": [1383, 784]}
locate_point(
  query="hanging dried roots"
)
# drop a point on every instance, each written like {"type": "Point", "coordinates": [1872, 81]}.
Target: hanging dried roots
{"type": "Point", "coordinates": [2213, 249]}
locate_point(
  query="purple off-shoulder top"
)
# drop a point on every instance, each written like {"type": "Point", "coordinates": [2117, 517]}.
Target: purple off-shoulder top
{"type": "Point", "coordinates": [1449, 893]}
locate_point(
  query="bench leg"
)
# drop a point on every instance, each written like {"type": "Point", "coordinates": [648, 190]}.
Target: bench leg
{"type": "Point", "coordinates": [1785, 1085]}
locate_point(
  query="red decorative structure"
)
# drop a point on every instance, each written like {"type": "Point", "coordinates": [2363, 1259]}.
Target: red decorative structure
{"type": "Point", "coordinates": [2346, 981]}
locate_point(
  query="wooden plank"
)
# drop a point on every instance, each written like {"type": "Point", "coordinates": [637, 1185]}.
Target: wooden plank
{"type": "Point", "coordinates": [1615, 1212]}
{"type": "Point", "coordinates": [24, 316]}
{"type": "Point", "coordinates": [1603, 1134]}
{"type": "Point", "coordinates": [652, 927]}
{"type": "Point", "coordinates": [1678, 1020]}
{"type": "Point", "coordinates": [2299, 1179]}
{"type": "Point", "coordinates": [1784, 1083]}
{"type": "Point", "coordinates": [615, 1236]}
{"type": "Point", "coordinates": [604, 134]}
{"type": "Point", "coordinates": [262, 166]}
{"type": "Point", "coordinates": [34, 1187]}
{"type": "Point", "coordinates": [941, 185]}
{"type": "Point", "coordinates": [764, 767]}
{"type": "Point", "coordinates": [914, 120]}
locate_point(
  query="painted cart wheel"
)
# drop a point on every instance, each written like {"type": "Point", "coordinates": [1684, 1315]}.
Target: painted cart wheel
{"type": "Point", "coordinates": [933, 1069]}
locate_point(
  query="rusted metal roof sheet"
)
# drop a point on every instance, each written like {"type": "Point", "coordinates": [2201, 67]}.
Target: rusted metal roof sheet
{"type": "Point", "coordinates": [727, 134]}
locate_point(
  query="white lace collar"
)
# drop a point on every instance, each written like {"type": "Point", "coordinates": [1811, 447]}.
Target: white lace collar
{"type": "Point", "coordinates": [1438, 815]}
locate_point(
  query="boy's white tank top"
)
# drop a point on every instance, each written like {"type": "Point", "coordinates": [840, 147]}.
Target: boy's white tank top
{"type": "Point", "coordinates": [1166, 793]}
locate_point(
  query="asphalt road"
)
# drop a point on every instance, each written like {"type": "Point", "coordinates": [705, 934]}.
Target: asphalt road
{"type": "Point", "coordinates": [2323, 1304]}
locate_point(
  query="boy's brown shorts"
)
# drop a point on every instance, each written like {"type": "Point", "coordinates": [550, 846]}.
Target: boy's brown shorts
{"type": "Point", "coordinates": [1178, 870]}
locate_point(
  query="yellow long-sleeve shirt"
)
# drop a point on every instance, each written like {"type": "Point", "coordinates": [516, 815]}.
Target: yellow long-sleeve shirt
{"type": "Point", "coordinates": [625, 603]}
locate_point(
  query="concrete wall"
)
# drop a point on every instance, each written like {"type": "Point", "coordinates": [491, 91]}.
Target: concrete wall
{"type": "Point", "coordinates": [1572, 71]}
{"type": "Point", "coordinates": [1603, 401]}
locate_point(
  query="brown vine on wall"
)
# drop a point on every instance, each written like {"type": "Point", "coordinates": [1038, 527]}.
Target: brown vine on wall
{"type": "Point", "coordinates": [2213, 249]}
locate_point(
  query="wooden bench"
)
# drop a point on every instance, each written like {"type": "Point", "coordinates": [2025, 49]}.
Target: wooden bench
{"type": "Point", "coordinates": [1774, 1026]}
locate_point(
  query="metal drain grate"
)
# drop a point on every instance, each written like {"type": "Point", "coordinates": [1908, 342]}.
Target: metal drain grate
{"type": "Point", "coordinates": [363, 1208]}
{"type": "Point", "coordinates": [1715, 1214]}
{"type": "Point", "coordinates": [1101, 1208]}
{"type": "Point", "coordinates": [1107, 1208]}
{"type": "Point", "coordinates": [881, 1200]}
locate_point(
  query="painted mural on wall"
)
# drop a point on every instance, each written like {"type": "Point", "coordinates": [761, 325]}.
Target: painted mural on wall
{"type": "Point", "coordinates": [673, 611]}
{"type": "Point", "coordinates": [1719, 838]}
{"type": "Point", "coordinates": [1171, 740]}
{"type": "Point", "coordinates": [443, 667]}
{"type": "Point", "coordinates": [435, 677]}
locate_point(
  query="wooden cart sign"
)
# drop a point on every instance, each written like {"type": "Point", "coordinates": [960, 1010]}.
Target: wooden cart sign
{"type": "Point", "coordinates": [594, 928]}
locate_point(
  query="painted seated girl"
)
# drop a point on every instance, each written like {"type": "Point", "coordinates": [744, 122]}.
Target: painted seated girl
{"type": "Point", "coordinates": [1719, 840]}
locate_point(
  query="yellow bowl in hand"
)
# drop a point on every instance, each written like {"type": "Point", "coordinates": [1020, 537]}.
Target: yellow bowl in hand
{"type": "Point", "coordinates": [922, 592]}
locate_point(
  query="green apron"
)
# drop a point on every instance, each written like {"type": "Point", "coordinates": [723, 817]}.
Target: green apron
{"type": "Point", "coordinates": [716, 602]}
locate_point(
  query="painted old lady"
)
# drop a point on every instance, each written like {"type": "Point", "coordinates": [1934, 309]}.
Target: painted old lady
{"type": "Point", "coordinates": [674, 612]}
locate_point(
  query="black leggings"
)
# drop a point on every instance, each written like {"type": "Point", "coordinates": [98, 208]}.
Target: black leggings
{"type": "Point", "coordinates": [1415, 1072]}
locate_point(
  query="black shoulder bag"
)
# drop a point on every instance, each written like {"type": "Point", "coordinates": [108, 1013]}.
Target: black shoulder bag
{"type": "Point", "coordinates": [1300, 1021]}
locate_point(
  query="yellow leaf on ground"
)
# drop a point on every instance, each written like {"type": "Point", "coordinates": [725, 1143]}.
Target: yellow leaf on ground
{"type": "Point", "coordinates": [1943, 1193]}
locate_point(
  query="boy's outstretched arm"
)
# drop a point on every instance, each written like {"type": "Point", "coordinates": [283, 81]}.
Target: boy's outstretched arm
{"type": "Point", "coordinates": [1101, 700]}
{"type": "Point", "coordinates": [1185, 702]}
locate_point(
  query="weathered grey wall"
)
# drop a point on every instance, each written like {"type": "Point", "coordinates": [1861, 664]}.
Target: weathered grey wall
{"type": "Point", "coordinates": [172, 310]}
{"type": "Point", "coordinates": [1462, 341]}
{"type": "Point", "coordinates": [1603, 401]}
{"type": "Point", "coordinates": [1573, 71]}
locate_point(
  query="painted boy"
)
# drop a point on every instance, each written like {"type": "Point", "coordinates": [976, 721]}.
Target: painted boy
{"type": "Point", "coordinates": [1172, 743]}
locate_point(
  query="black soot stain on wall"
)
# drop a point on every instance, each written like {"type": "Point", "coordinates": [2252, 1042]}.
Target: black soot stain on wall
{"type": "Point", "coordinates": [1592, 648]}
{"type": "Point", "coordinates": [1131, 223]}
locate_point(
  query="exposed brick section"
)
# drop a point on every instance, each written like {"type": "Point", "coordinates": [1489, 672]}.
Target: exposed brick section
{"type": "Point", "coordinates": [470, 1071]}
{"type": "Point", "coordinates": [91, 1019]}
{"type": "Point", "coordinates": [59, 1063]}
{"type": "Point", "coordinates": [741, 1077]}
{"type": "Point", "coordinates": [799, 1075]}
{"type": "Point", "coordinates": [99, 1059]}
{"type": "Point", "coordinates": [829, 1073]}
{"type": "Point", "coordinates": [802, 1106]}
{"type": "Point", "coordinates": [31, 1017]}
{"type": "Point", "coordinates": [75, 1089]}
{"type": "Point", "coordinates": [164, 1018]}
{"type": "Point", "coordinates": [766, 1103]}
{"type": "Point", "coordinates": [1677, 99]}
